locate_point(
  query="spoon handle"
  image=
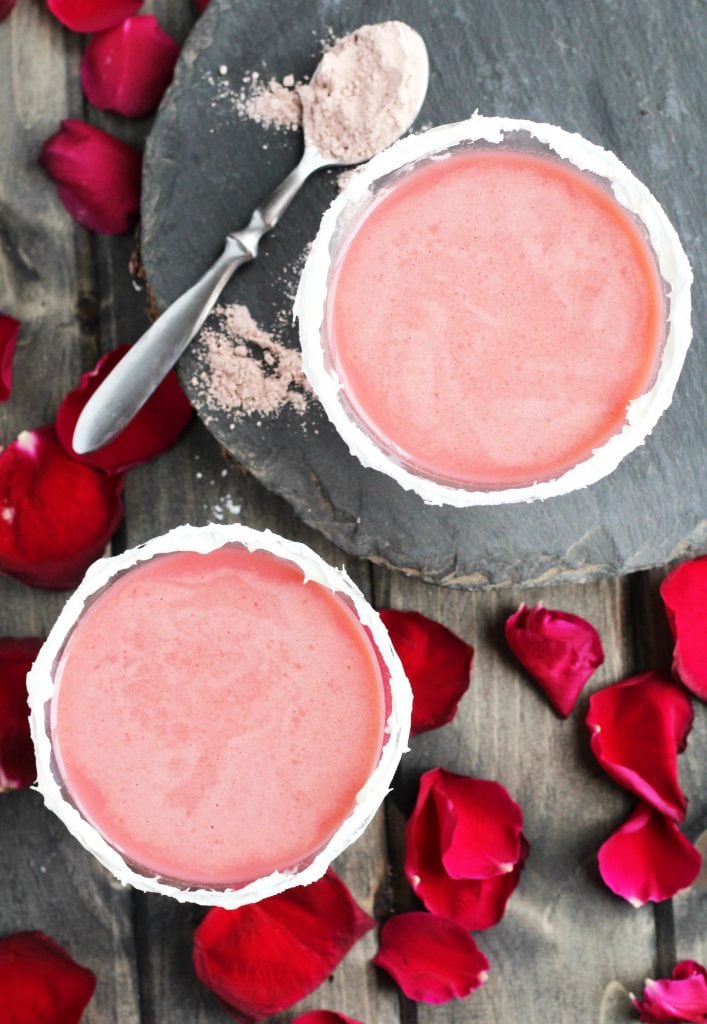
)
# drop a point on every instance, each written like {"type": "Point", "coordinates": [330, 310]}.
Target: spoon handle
{"type": "Point", "coordinates": [138, 374]}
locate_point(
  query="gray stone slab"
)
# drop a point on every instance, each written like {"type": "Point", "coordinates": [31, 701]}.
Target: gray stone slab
{"type": "Point", "coordinates": [628, 74]}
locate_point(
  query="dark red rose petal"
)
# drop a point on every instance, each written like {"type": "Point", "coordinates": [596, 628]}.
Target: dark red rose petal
{"type": "Point", "coordinates": [97, 176]}
{"type": "Point", "coordinates": [684, 594]}
{"type": "Point", "coordinates": [201, 5]}
{"type": "Point", "coordinates": [155, 428]}
{"type": "Point", "coordinates": [432, 959]}
{"type": "Point", "coordinates": [9, 333]}
{"type": "Point", "coordinates": [40, 983]}
{"type": "Point", "coordinates": [56, 515]}
{"type": "Point", "coordinates": [559, 650]}
{"type": "Point", "coordinates": [324, 1017]}
{"type": "Point", "coordinates": [5, 8]}
{"type": "Point", "coordinates": [449, 863]}
{"type": "Point", "coordinates": [648, 858]}
{"type": "Point", "coordinates": [128, 68]}
{"type": "Point", "coordinates": [638, 726]}
{"type": "Point", "coordinates": [92, 15]}
{"type": "Point", "coordinates": [680, 998]}
{"type": "Point", "coordinates": [437, 663]}
{"type": "Point", "coordinates": [17, 768]}
{"type": "Point", "coordinates": [262, 958]}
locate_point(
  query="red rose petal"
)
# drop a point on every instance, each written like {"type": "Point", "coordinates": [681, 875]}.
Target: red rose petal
{"type": "Point", "coordinates": [5, 8]}
{"type": "Point", "coordinates": [432, 959]}
{"type": "Point", "coordinates": [559, 650]}
{"type": "Point", "coordinates": [648, 858]}
{"type": "Point", "coordinates": [449, 863]}
{"type": "Point", "coordinates": [201, 5]}
{"type": "Point", "coordinates": [684, 594]}
{"type": "Point", "coordinates": [324, 1017]}
{"type": "Point", "coordinates": [9, 333]}
{"type": "Point", "coordinates": [40, 983]}
{"type": "Point", "coordinates": [155, 428]}
{"type": "Point", "coordinates": [682, 998]}
{"type": "Point", "coordinates": [56, 515]}
{"type": "Point", "coordinates": [437, 663]}
{"type": "Point", "coordinates": [17, 768]}
{"type": "Point", "coordinates": [262, 958]}
{"type": "Point", "coordinates": [97, 176]}
{"type": "Point", "coordinates": [638, 726]}
{"type": "Point", "coordinates": [128, 68]}
{"type": "Point", "coordinates": [92, 15]}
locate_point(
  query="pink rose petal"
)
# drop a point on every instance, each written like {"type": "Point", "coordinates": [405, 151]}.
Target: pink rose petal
{"type": "Point", "coordinates": [56, 515]}
{"type": "Point", "coordinates": [17, 768]}
{"type": "Point", "coordinates": [5, 8]}
{"type": "Point", "coordinates": [464, 848]}
{"type": "Point", "coordinates": [684, 594]}
{"type": "Point", "coordinates": [324, 1017]}
{"type": "Point", "coordinates": [432, 959]}
{"type": "Point", "coordinates": [40, 983]}
{"type": "Point", "coordinates": [264, 957]}
{"type": "Point", "coordinates": [638, 726]}
{"type": "Point", "coordinates": [559, 650]}
{"type": "Point", "coordinates": [97, 176]}
{"type": "Point", "coordinates": [128, 68]}
{"type": "Point", "coordinates": [155, 428]}
{"type": "Point", "coordinates": [680, 998]}
{"type": "Point", "coordinates": [92, 15]}
{"type": "Point", "coordinates": [648, 858]}
{"type": "Point", "coordinates": [437, 663]}
{"type": "Point", "coordinates": [9, 333]}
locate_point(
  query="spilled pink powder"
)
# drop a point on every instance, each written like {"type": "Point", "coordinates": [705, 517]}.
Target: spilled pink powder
{"type": "Point", "coordinates": [246, 370]}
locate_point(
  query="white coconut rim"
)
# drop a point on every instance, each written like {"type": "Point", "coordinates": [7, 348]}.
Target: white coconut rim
{"type": "Point", "coordinates": [643, 412]}
{"type": "Point", "coordinates": [204, 539]}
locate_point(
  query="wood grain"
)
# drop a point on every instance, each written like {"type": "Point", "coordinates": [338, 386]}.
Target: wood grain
{"type": "Point", "coordinates": [567, 949]}
{"type": "Point", "coordinates": [48, 881]}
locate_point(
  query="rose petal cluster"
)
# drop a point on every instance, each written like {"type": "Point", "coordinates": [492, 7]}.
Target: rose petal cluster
{"type": "Point", "coordinates": [262, 958]}
{"type": "Point", "coordinates": [92, 15]}
{"type": "Point", "coordinates": [437, 663]}
{"type": "Point", "coordinates": [684, 594]}
{"type": "Point", "coordinates": [97, 176]}
{"type": "Point", "coordinates": [682, 997]}
{"type": "Point", "coordinates": [40, 982]}
{"type": "Point", "coordinates": [152, 431]}
{"type": "Point", "coordinates": [465, 848]}
{"type": "Point", "coordinates": [127, 68]}
{"type": "Point", "coordinates": [56, 515]}
{"type": "Point", "coordinates": [638, 727]}
{"type": "Point", "coordinates": [431, 958]}
{"type": "Point", "coordinates": [17, 767]}
{"type": "Point", "coordinates": [559, 650]}
{"type": "Point", "coordinates": [9, 333]}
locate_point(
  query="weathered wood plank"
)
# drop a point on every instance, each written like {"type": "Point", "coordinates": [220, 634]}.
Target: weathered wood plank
{"type": "Point", "coordinates": [565, 941]}
{"type": "Point", "coordinates": [681, 928]}
{"type": "Point", "coordinates": [48, 881]}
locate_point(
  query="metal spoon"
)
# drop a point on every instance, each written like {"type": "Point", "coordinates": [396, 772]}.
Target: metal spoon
{"type": "Point", "coordinates": [129, 385]}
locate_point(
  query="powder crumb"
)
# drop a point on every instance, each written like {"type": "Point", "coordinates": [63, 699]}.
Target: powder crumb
{"type": "Point", "coordinates": [273, 104]}
{"type": "Point", "coordinates": [345, 177]}
{"type": "Point", "coordinates": [246, 370]}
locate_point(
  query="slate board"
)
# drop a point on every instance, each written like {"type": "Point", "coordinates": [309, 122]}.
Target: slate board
{"type": "Point", "coordinates": [629, 74]}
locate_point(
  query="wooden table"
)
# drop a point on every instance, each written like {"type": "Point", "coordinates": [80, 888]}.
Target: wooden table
{"type": "Point", "coordinates": [566, 945]}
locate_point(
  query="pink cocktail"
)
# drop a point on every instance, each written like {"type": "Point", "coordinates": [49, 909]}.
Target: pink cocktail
{"type": "Point", "coordinates": [485, 322]}
{"type": "Point", "coordinates": [220, 720]}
